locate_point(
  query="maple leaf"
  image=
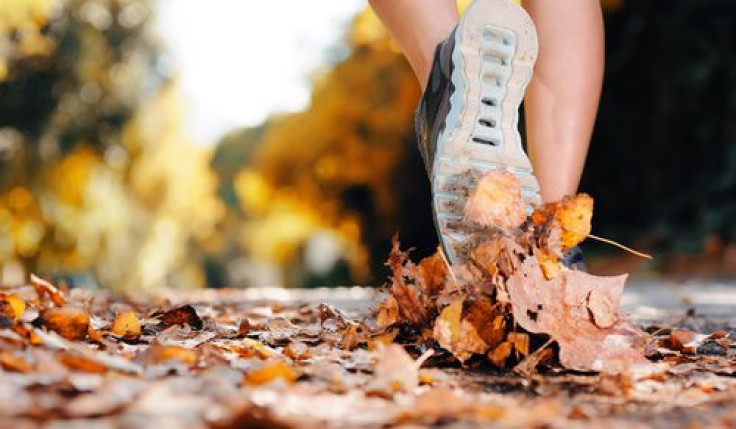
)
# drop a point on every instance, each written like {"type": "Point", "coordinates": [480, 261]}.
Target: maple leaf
{"type": "Point", "coordinates": [559, 308]}
{"type": "Point", "coordinates": [497, 202]}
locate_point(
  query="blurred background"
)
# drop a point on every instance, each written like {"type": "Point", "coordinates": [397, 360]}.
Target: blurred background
{"type": "Point", "coordinates": [166, 143]}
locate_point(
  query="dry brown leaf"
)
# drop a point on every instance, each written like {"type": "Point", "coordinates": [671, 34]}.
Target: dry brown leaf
{"type": "Point", "coordinates": [413, 306]}
{"type": "Point", "coordinates": [126, 324]}
{"type": "Point", "coordinates": [686, 341]}
{"type": "Point", "coordinates": [432, 274]}
{"type": "Point", "coordinates": [456, 334]}
{"type": "Point", "coordinates": [382, 339]}
{"type": "Point", "coordinates": [297, 351]}
{"type": "Point", "coordinates": [497, 201]}
{"type": "Point", "coordinates": [387, 312]}
{"type": "Point", "coordinates": [78, 362]}
{"type": "Point", "coordinates": [46, 289]}
{"type": "Point", "coordinates": [70, 322]}
{"type": "Point", "coordinates": [559, 308]}
{"type": "Point", "coordinates": [395, 370]}
{"type": "Point", "coordinates": [185, 315]}
{"type": "Point", "coordinates": [272, 371]}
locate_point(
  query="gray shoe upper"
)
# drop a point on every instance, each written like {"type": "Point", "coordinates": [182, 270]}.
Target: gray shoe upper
{"type": "Point", "coordinates": [434, 106]}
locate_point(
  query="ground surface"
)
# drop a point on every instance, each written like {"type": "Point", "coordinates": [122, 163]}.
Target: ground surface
{"type": "Point", "coordinates": [278, 358]}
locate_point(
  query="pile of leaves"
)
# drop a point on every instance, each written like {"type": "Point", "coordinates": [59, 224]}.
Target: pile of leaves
{"type": "Point", "coordinates": [219, 359]}
{"type": "Point", "coordinates": [514, 298]}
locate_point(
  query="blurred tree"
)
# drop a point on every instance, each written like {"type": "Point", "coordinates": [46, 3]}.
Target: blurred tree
{"type": "Point", "coordinates": [95, 172]}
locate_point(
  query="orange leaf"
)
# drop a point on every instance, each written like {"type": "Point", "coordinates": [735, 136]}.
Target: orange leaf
{"type": "Point", "coordinates": [71, 323]}
{"type": "Point", "coordinates": [126, 324]}
{"type": "Point", "coordinates": [44, 288]}
{"type": "Point", "coordinates": [16, 304]}
{"type": "Point", "coordinates": [11, 362]}
{"type": "Point", "coordinates": [272, 371]}
{"type": "Point", "coordinates": [81, 363]}
{"type": "Point", "coordinates": [158, 354]}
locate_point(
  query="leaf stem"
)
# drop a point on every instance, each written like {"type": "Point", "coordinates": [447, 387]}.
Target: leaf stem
{"type": "Point", "coordinates": [620, 246]}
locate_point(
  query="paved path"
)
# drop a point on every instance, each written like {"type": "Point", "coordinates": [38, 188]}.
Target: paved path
{"type": "Point", "coordinates": [642, 299]}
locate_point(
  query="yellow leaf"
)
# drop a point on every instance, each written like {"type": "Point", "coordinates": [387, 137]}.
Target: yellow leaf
{"type": "Point", "coordinates": [126, 324]}
{"type": "Point", "coordinates": [272, 371]}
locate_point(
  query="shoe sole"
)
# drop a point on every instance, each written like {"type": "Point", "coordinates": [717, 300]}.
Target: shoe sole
{"type": "Point", "coordinates": [494, 56]}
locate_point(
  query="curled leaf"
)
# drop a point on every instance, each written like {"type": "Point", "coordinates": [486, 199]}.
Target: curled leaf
{"type": "Point", "coordinates": [70, 322]}
{"type": "Point", "coordinates": [497, 201]}
{"type": "Point", "coordinates": [45, 289]}
{"type": "Point", "coordinates": [16, 306]}
{"type": "Point", "coordinates": [185, 315]}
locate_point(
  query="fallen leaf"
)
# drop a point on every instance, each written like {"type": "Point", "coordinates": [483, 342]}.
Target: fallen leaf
{"type": "Point", "coordinates": [249, 348]}
{"type": "Point", "coordinates": [46, 289]}
{"type": "Point", "coordinates": [159, 354]}
{"type": "Point", "coordinates": [70, 322]}
{"type": "Point", "coordinates": [497, 201]}
{"type": "Point", "coordinates": [387, 312]}
{"type": "Point", "coordinates": [686, 341]}
{"type": "Point", "coordinates": [395, 370]}
{"type": "Point", "coordinates": [78, 362]}
{"type": "Point", "coordinates": [297, 351]}
{"type": "Point", "coordinates": [17, 305]}
{"type": "Point", "coordinates": [566, 223]}
{"type": "Point", "coordinates": [126, 324]}
{"type": "Point", "coordinates": [185, 315]}
{"type": "Point", "coordinates": [11, 362]}
{"type": "Point", "coordinates": [272, 371]}
{"type": "Point", "coordinates": [412, 304]}
{"type": "Point", "coordinates": [432, 274]}
{"type": "Point", "coordinates": [559, 308]}
{"type": "Point", "coordinates": [456, 334]}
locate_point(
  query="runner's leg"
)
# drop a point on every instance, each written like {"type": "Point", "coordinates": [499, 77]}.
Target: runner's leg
{"type": "Point", "coordinates": [562, 99]}
{"type": "Point", "coordinates": [418, 26]}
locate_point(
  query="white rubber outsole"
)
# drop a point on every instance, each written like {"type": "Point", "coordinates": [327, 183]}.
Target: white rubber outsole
{"type": "Point", "coordinates": [495, 52]}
